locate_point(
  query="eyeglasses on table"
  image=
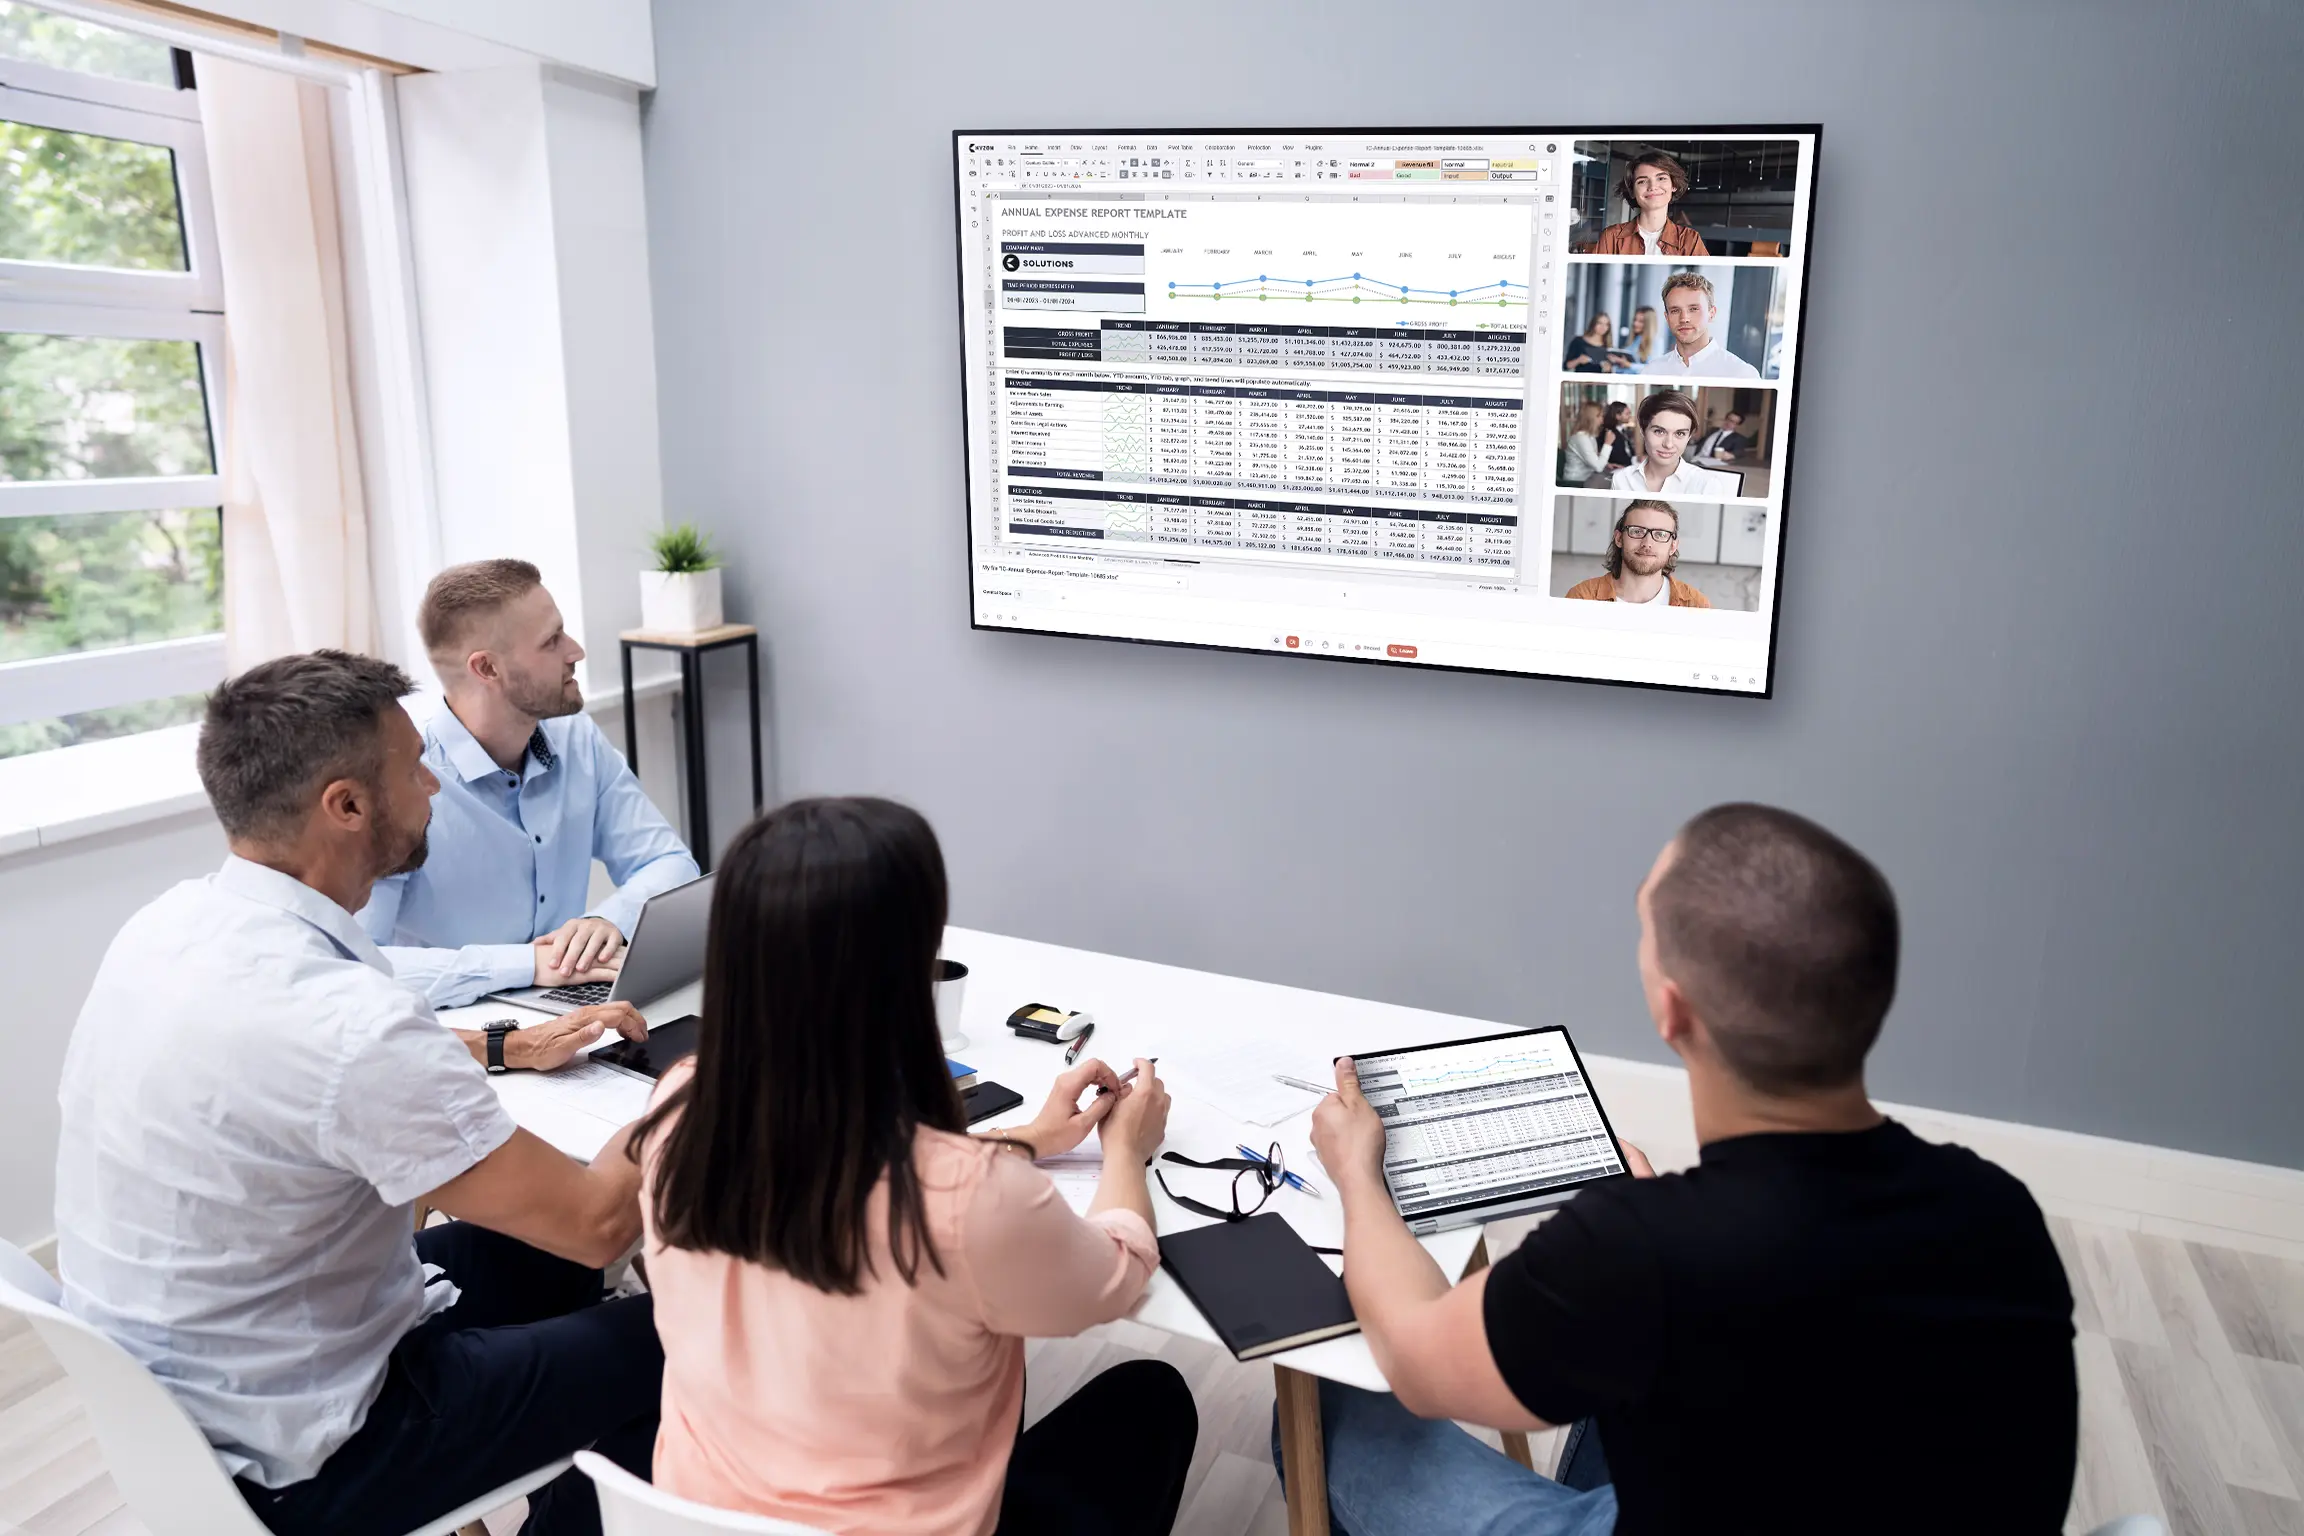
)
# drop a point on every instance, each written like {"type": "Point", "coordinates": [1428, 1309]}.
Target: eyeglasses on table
{"type": "Point", "coordinates": [1253, 1180]}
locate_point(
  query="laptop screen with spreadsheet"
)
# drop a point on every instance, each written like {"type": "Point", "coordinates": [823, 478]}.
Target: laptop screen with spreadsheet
{"type": "Point", "coordinates": [1501, 1119]}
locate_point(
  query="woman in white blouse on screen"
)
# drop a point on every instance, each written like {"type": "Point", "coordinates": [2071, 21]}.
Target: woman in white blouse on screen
{"type": "Point", "coordinates": [1586, 459]}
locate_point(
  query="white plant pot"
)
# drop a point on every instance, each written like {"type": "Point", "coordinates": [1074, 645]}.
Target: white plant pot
{"type": "Point", "coordinates": [682, 602]}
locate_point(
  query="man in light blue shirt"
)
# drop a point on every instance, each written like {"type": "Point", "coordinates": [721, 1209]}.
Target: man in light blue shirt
{"type": "Point", "coordinates": [530, 794]}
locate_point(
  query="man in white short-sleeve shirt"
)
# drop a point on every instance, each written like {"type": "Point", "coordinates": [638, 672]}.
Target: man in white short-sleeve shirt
{"type": "Point", "coordinates": [1667, 421]}
{"type": "Point", "coordinates": [251, 1104]}
{"type": "Point", "coordinates": [1695, 352]}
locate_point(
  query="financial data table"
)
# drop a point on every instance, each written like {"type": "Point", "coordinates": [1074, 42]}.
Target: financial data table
{"type": "Point", "coordinates": [1337, 533]}
{"type": "Point", "coordinates": [1221, 433]}
{"type": "Point", "coordinates": [1485, 1122]}
{"type": "Point", "coordinates": [1484, 353]}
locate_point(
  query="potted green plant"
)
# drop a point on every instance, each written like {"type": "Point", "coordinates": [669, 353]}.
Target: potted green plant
{"type": "Point", "coordinates": [682, 594]}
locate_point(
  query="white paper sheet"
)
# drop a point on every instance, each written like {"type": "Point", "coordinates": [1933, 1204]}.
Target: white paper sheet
{"type": "Point", "coordinates": [1076, 1173]}
{"type": "Point", "coordinates": [1240, 1082]}
{"type": "Point", "coordinates": [598, 1089]}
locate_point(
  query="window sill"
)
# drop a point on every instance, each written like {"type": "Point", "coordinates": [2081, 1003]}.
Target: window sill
{"type": "Point", "coordinates": [74, 792]}
{"type": "Point", "coordinates": [52, 798]}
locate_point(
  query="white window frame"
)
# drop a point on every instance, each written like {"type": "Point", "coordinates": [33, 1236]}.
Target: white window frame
{"type": "Point", "coordinates": [60, 300]}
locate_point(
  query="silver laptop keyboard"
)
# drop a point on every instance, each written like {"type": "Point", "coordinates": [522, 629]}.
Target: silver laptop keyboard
{"type": "Point", "coordinates": [582, 995]}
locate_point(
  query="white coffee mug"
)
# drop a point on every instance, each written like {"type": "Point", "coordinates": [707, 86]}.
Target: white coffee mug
{"type": "Point", "coordinates": [951, 985]}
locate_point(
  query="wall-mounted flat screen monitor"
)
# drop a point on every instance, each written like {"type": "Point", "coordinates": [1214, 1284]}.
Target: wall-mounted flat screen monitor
{"type": "Point", "coordinates": [1509, 400]}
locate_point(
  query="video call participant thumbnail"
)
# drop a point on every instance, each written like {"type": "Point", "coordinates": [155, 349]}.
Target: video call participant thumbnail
{"type": "Point", "coordinates": [1689, 311]}
{"type": "Point", "coordinates": [1654, 185]}
{"type": "Point", "coordinates": [1724, 442]}
{"type": "Point", "coordinates": [1667, 422]}
{"type": "Point", "coordinates": [1590, 350]}
{"type": "Point", "coordinates": [1641, 557]}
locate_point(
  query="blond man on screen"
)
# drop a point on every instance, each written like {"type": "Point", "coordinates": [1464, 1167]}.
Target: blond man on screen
{"type": "Point", "coordinates": [1641, 555]}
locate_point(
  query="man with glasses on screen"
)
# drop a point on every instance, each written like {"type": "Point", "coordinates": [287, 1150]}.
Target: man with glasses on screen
{"type": "Point", "coordinates": [1695, 352]}
{"type": "Point", "coordinates": [1667, 422]}
{"type": "Point", "coordinates": [1641, 555]}
{"type": "Point", "coordinates": [1772, 1340]}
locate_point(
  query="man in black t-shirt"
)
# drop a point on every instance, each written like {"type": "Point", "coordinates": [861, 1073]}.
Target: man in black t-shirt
{"type": "Point", "coordinates": [1827, 1325]}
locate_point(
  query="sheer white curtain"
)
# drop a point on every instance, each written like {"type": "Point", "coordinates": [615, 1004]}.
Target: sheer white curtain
{"type": "Point", "coordinates": [295, 523]}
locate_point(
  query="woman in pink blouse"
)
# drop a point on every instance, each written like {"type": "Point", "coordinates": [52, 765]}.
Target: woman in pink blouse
{"type": "Point", "coordinates": [844, 1277]}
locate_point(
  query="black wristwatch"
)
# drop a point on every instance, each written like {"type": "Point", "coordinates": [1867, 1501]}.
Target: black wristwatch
{"type": "Point", "coordinates": [496, 1033]}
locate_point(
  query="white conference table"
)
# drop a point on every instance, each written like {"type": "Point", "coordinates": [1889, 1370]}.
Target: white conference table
{"type": "Point", "coordinates": [1210, 1034]}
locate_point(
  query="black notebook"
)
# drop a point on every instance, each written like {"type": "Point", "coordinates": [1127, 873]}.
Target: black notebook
{"type": "Point", "coordinates": [1259, 1284]}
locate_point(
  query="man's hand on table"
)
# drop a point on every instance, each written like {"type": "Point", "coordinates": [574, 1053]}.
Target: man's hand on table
{"type": "Point", "coordinates": [579, 950]}
{"type": "Point", "coordinates": [541, 1047]}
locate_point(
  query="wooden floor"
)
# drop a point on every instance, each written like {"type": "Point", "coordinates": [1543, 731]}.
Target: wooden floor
{"type": "Point", "coordinates": [2191, 1403]}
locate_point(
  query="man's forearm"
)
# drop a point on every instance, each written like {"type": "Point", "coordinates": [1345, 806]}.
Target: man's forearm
{"type": "Point", "coordinates": [450, 978]}
{"type": "Point", "coordinates": [517, 1050]}
{"type": "Point", "coordinates": [1385, 1269]}
{"type": "Point", "coordinates": [613, 1190]}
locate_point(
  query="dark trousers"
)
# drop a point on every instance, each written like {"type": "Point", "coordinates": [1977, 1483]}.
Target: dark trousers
{"type": "Point", "coordinates": [1060, 1479]}
{"type": "Point", "coordinates": [1583, 1464]}
{"type": "Point", "coordinates": [529, 1366]}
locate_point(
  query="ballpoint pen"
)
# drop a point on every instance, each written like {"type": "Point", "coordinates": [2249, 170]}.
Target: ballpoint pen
{"type": "Point", "coordinates": [1292, 1180]}
{"type": "Point", "coordinates": [1072, 1052]}
{"type": "Point", "coordinates": [1128, 1076]}
{"type": "Point", "coordinates": [1298, 1082]}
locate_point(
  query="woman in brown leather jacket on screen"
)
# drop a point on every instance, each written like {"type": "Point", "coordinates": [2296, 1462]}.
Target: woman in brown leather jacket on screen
{"type": "Point", "coordinates": [1654, 184]}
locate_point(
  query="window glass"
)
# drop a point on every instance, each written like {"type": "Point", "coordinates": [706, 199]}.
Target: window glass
{"type": "Point", "coordinates": [100, 724]}
{"type": "Point", "coordinates": [87, 200]}
{"type": "Point", "coordinates": [100, 579]}
{"type": "Point", "coordinates": [38, 37]}
{"type": "Point", "coordinates": [101, 407]}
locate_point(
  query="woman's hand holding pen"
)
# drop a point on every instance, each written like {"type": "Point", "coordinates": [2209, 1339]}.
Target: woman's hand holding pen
{"type": "Point", "coordinates": [1135, 1123]}
{"type": "Point", "coordinates": [1064, 1122]}
{"type": "Point", "coordinates": [1138, 1120]}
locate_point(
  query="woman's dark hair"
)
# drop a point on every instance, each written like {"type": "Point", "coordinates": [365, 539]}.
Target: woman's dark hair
{"type": "Point", "coordinates": [1673, 170]}
{"type": "Point", "coordinates": [818, 1058]}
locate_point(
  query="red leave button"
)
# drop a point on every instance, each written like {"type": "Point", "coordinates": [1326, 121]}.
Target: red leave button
{"type": "Point", "coordinates": [1407, 652]}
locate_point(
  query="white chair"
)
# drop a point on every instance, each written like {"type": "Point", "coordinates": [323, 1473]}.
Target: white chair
{"type": "Point", "coordinates": [630, 1507]}
{"type": "Point", "coordinates": [159, 1459]}
{"type": "Point", "coordinates": [2131, 1525]}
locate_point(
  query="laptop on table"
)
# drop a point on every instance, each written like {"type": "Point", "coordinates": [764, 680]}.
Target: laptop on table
{"type": "Point", "coordinates": [666, 953]}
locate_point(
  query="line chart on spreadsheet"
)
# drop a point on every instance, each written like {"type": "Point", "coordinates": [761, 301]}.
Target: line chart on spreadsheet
{"type": "Point", "coordinates": [1354, 288]}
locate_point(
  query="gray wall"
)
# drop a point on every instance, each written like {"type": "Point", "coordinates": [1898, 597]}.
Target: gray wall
{"type": "Point", "coordinates": [2070, 739]}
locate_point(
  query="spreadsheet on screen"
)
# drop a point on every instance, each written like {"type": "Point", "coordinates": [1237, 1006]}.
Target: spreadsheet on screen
{"type": "Point", "coordinates": [1311, 393]}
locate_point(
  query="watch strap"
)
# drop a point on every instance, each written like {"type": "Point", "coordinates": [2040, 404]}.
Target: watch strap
{"type": "Point", "coordinates": [496, 1033]}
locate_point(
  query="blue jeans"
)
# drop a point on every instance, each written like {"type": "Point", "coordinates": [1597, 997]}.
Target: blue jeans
{"type": "Point", "coordinates": [529, 1365]}
{"type": "Point", "coordinates": [1391, 1473]}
